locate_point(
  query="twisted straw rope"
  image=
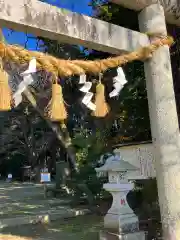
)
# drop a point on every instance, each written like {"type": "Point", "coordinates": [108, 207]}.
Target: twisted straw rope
{"type": "Point", "coordinates": [60, 67]}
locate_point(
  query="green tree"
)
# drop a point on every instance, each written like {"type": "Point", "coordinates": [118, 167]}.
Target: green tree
{"type": "Point", "coordinates": [129, 115]}
{"type": "Point", "coordinates": [131, 109]}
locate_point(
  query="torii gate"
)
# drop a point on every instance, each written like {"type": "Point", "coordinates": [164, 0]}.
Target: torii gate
{"type": "Point", "coordinates": [171, 8]}
{"type": "Point", "coordinates": [42, 19]}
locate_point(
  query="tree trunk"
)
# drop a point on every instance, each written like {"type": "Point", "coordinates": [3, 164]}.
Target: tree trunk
{"type": "Point", "coordinates": [66, 142]}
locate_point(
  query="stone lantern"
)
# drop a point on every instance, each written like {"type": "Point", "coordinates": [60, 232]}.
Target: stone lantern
{"type": "Point", "coordinates": [120, 218]}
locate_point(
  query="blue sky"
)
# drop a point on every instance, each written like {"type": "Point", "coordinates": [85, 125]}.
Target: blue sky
{"type": "Point", "coordinates": [80, 6]}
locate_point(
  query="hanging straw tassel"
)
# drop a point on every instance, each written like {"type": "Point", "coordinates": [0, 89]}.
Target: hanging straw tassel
{"type": "Point", "coordinates": [5, 91]}
{"type": "Point", "coordinates": [57, 111]}
{"type": "Point", "coordinates": [102, 108]}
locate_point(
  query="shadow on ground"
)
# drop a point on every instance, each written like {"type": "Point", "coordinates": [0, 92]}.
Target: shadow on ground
{"type": "Point", "coordinates": [20, 199]}
{"type": "Point", "coordinates": [81, 227]}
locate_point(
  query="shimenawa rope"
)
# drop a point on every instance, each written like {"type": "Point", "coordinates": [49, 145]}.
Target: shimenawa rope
{"type": "Point", "coordinates": [61, 67]}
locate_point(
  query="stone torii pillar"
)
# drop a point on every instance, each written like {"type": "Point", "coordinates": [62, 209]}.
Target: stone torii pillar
{"type": "Point", "coordinates": [164, 123]}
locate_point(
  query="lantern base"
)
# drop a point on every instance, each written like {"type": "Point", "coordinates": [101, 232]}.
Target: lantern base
{"type": "Point", "coordinates": [121, 223]}
{"type": "Point", "coordinates": [120, 216]}
{"type": "Point", "coordinates": [106, 235]}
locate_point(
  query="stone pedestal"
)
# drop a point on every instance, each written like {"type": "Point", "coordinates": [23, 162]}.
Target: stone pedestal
{"type": "Point", "coordinates": [105, 235]}
{"type": "Point", "coordinates": [120, 216]}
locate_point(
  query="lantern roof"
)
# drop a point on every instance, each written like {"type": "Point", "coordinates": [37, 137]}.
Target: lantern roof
{"type": "Point", "coordinates": [115, 163]}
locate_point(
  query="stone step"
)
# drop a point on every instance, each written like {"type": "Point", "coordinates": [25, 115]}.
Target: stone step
{"type": "Point", "coordinates": [42, 217]}
{"type": "Point", "coordinates": [50, 201]}
{"type": "Point", "coordinates": [31, 207]}
{"type": "Point", "coordinates": [24, 204]}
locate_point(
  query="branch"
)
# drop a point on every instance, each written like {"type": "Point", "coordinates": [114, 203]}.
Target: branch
{"type": "Point", "coordinates": [68, 145]}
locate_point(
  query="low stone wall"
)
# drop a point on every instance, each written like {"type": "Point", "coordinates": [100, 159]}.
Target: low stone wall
{"type": "Point", "coordinates": [140, 156]}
